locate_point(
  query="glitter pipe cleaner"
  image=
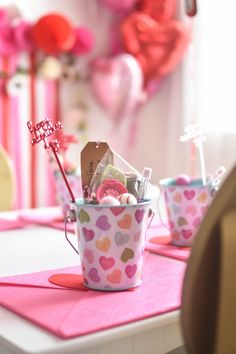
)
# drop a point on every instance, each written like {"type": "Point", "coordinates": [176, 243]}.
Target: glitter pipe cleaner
{"type": "Point", "coordinates": [40, 132]}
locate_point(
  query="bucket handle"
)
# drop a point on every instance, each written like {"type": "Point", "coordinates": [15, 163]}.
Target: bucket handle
{"type": "Point", "coordinates": [69, 218]}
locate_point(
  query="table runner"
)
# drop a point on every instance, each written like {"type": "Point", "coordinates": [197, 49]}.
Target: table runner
{"type": "Point", "coordinates": [70, 313]}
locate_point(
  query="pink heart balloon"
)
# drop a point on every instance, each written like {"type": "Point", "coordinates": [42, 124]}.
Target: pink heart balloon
{"type": "Point", "coordinates": [117, 84]}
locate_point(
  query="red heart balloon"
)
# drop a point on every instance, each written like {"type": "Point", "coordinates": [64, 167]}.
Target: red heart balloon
{"type": "Point", "coordinates": [160, 10]}
{"type": "Point", "coordinates": [158, 46]}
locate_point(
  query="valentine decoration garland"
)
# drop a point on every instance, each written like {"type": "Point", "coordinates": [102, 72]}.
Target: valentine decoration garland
{"type": "Point", "coordinates": [51, 47]}
{"type": "Point", "coordinates": [147, 43]}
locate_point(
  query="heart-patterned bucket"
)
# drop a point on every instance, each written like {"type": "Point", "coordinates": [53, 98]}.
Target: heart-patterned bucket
{"type": "Point", "coordinates": [111, 242]}
{"type": "Point", "coordinates": [186, 206]}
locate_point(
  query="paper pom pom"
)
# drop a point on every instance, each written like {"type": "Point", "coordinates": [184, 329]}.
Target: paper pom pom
{"type": "Point", "coordinates": [53, 34]}
{"type": "Point", "coordinates": [7, 44]}
{"type": "Point", "coordinates": [182, 180]}
{"type": "Point", "coordinates": [109, 200]}
{"type": "Point", "coordinates": [84, 41]}
{"type": "Point", "coordinates": [22, 36]}
{"type": "Point", "coordinates": [51, 68]}
{"type": "Point", "coordinates": [127, 198]}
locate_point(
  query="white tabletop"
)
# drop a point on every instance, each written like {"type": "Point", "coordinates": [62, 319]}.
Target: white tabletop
{"type": "Point", "coordinates": [35, 248]}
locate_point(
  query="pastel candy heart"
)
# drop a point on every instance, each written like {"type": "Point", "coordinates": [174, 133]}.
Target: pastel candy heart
{"type": "Point", "coordinates": [93, 275]}
{"type": "Point", "coordinates": [127, 254]}
{"type": "Point", "coordinates": [186, 233]}
{"type": "Point", "coordinates": [88, 234]}
{"type": "Point", "coordinates": [106, 263]}
{"type": "Point", "coordinates": [176, 209]}
{"type": "Point", "coordinates": [104, 244]}
{"type": "Point", "coordinates": [130, 270]}
{"type": "Point", "coordinates": [196, 222]}
{"type": "Point", "coordinates": [177, 197]}
{"type": "Point", "coordinates": [88, 254]}
{"type": "Point", "coordinates": [115, 276]}
{"type": "Point", "coordinates": [139, 214]}
{"type": "Point", "coordinates": [121, 239]}
{"type": "Point", "coordinates": [83, 216]}
{"type": "Point", "coordinates": [202, 197]}
{"type": "Point", "coordinates": [117, 210]}
{"type": "Point", "coordinates": [102, 223]}
{"type": "Point", "coordinates": [182, 221]}
{"type": "Point", "coordinates": [189, 194]}
{"type": "Point", "coordinates": [191, 209]}
{"type": "Point", "coordinates": [125, 222]}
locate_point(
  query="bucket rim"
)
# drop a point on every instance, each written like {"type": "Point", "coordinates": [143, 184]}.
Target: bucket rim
{"type": "Point", "coordinates": [169, 182]}
{"type": "Point", "coordinates": [80, 203]}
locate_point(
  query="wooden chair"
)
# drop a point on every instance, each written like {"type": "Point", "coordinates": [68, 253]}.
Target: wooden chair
{"type": "Point", "coordinates": [208, 312]}
{"type": "Point", "coordinates": [7, 181]}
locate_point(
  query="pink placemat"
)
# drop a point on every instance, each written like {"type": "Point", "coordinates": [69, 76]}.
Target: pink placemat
{"type": "Point", "coordinates": [7, 224]}
{"type": "Point", "coordinates": [69, 313]}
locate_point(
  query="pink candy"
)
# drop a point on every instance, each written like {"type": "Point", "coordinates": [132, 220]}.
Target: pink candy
{"type": "Point", "coordinates": [182, 180]}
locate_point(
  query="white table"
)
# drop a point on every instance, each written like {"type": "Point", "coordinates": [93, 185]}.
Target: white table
{"type": "Point", "coordinates": [37, 248]}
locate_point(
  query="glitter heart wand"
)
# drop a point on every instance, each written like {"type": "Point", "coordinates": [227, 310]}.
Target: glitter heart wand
{"type": "Point", "coordinates": [40, 132]}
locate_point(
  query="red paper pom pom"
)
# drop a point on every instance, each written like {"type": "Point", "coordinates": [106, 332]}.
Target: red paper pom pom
{"type": "Point", "coordinates": [53, 34]}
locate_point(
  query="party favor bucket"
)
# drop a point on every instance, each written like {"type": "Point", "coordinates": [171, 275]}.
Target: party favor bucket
{"type": "Point", "coordinates": [186, 206]}
{"type": "Point", "coordinates": [111, 242]}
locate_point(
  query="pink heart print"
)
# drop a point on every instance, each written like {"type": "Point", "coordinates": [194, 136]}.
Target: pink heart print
{"type": "Point", "coordinates": [102, 223]}
{"type": "Point", "coordinates": [88, 254]}
{"type": "Point", "coordinates": [117, 211]}
{"type": "Point", "coordinates": [93, 274]}
{"type": "Point", "coordinates": [130, 270]}
{"type": "Point", "coordinates": [189, 194]}
{"type": "Point", "coordinates": [88, 234]}
{"type": "Point", "coordinates": [106, 263]}
{"type": "Point", "coordinates": [186, 233]}
{"type": "Point", "coordinates": [139, 214]}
